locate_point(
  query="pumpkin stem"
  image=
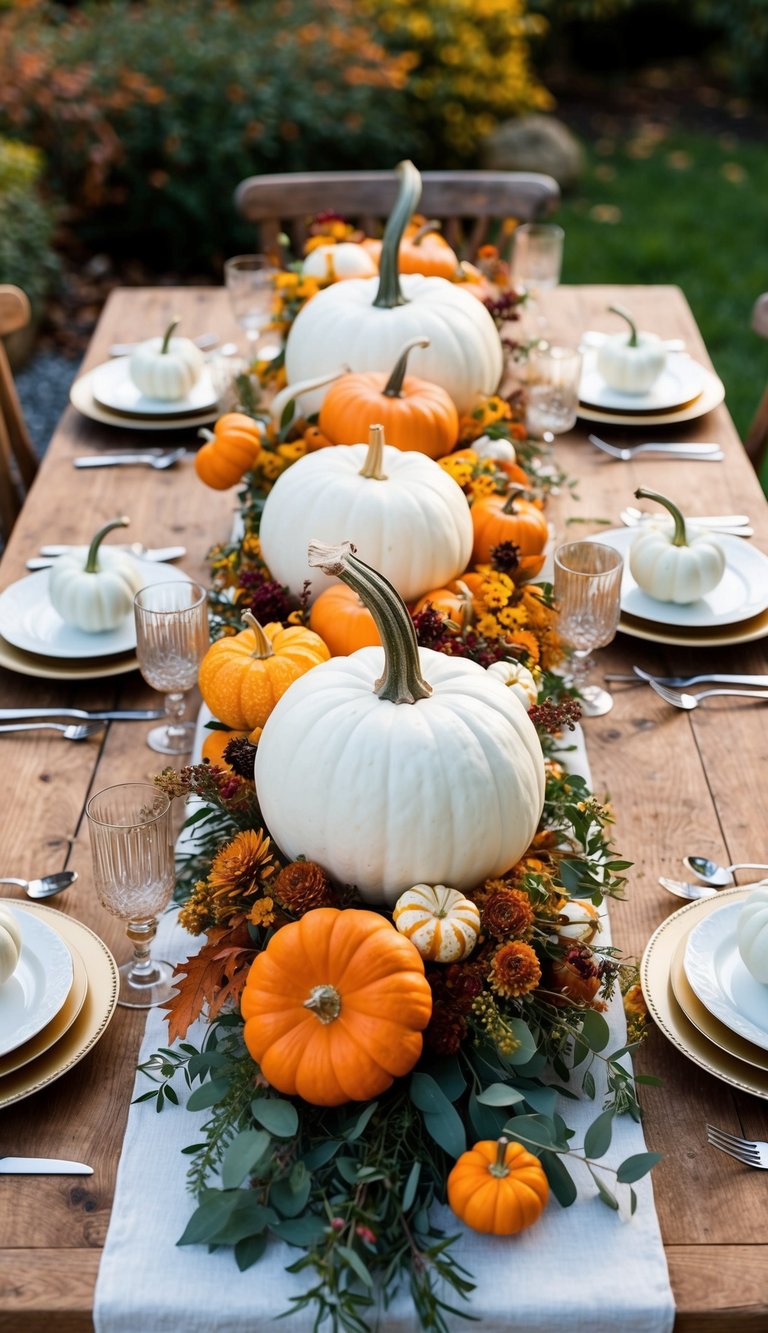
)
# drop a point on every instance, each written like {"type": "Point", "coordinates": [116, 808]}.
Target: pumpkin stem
{"type": "Point", "coordinates": [426, 229]}
{"type": "Point", "coordinates": [680, 537]}
{"type": "Point", "coordinates": [325, 1002]}
{"type": "Point", "coordinates": [292, 392]}
{"type": "Point", "coordinates": [514, 494]}
{"type": "Point", "coordinates": [467, 605]}
{"type": "Point", "coordinates": [401, 681]}
{"type": "Point", "coordinates": [263, 647]}
{"type": "Point", "coordinates": [390, 293]}
{"type": "Point", "coordinates": [373, 467]}
{"type": "Point", "coordinates": [624, 314]}
{"type": "Point", "coordinates": [394, 385]}
{"type": "Point", "coordinates": [499, 1168]}
{"type": "Point", "coordinates": [205, 434]}
{"type": "Point", "coordinates": [92, 559]}
{"type": "Point", "coordinates": [168, 336]}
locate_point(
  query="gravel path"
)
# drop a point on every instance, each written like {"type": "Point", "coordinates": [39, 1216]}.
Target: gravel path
{"type": "Point", "coordinates": [43, 386]}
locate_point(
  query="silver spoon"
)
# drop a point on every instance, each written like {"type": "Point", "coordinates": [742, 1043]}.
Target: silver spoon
{"type": "Point", "coordinates": [711, 873]}
{"type": "Point", "coordinates": [158, 461]}
{"type": "Point", "coordinates": [45, 887]}
{"type": "Point", "coordinates": [681, 889]}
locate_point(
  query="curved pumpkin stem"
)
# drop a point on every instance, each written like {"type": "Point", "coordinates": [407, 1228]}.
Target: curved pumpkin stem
{"type": "Point", "coordinates": [390, 292]}
{"type": "Point", "coordinates": [394, 385]}
{"type": "Point", "coordinates": [373, 467]}
{"type": "Point", "coordinates": [680, 537]}
{"type": "Point", "coordinates": [515, 493]}
{"type": "Point", "coordinates": [263, 647]}
{"type": "Point", "coordinates": [292, 392]}
{"type": "Point", "coordinates": [168, 335]}
{"type": "Point", "coordinates": [499, 1168]}
{"type": "Point", "coordinates": [624, 314]}
{"type": "Point", "coordinates": [426, 229]}
{"type": "Point", "coordinates": [467, 605]}
{"type": "Point", "coordinates": [92, 559]}
{"type": "Point", "coordinates": [401, 681]}
{"type": "Point", "coordinates": [325, 1002]}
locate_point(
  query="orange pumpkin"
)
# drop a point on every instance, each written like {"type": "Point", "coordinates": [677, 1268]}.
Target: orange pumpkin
{"type": "Point", "coordinates": [455, 602]}
{"type": "Point", "coordinates": [422, 250]}
{"type": "Point", "coordinates": [415, 413]}
{"type": "Point", "coordinates": [334, 1007]}
{"type": "Point", "coordinates": [575, 978]}
{"type": "Point", "coordinates": [230, 451]}
{"type": "Point", "coordinates": [498, 1188]}
{"type": "Point", "coordinates": [215, 744]}
{"type": "Point", "coordinates": [343, 622]}
{"type": "Point", "coordinates": [241, 678]}
{"type": "Point", "coordinates": [499, 518]}
{"type": "Point", "coordinates": [314, 440]}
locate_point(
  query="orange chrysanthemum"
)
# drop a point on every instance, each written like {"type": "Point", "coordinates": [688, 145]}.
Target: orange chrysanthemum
{"type": "Point", "coordinates": [508, 915]}
{"type": "Point", "coordinates": [302, 886]}
{"type": "Point", "coordinates": [240, 869]}
{"type": "Point", "coordinates": [515, 970]}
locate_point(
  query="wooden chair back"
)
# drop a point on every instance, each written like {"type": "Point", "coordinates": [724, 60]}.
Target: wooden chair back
{"type": "Point", "coordinates": [756, 441]}
{"type": "Point", "coordinates": [467, 203]}
{"type": "Point", "coordinates": [18, 463]}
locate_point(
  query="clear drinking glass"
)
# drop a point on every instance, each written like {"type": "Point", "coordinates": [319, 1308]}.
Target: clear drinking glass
{"type": "Point", "coordinates": [134, 875]}
{"type": "Point", "coordinates": [552, 390]}
{"type": "Point", "coordinates": [172, 636]}
{"type": "Point", "coordinates": [249, 279]}
{"type": "Point", "coordinates": [537, 260]}
{"type": "Point", "coordinates": [588, 595]}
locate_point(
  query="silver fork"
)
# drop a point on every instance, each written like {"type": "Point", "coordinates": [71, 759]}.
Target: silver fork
{"type": "Point", "coordinates": [157, 461]}
{"type": "Point", "coordinates": [702, 452]}
{"type": "Point", "coordinates": [711, 677]}
{"type": "Point", "coordinates": [733, 525]}
{"type": "Point", "coordinates": [76, 731]}
{"type": "Point", "coordinates": [690, 701]}
{"type": "Point", "coordinates": [750, 1152]}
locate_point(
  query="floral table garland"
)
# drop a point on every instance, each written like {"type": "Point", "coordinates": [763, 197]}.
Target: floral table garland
{"type": "Point", "coordinates": [513, 1016]}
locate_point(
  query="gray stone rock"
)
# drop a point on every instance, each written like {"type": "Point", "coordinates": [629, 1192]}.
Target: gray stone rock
{"type": "Point", "coordinates": [535, 143]}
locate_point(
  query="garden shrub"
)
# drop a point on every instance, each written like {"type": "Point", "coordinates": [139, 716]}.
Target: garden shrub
{"type": "Point", "coordinates": [26, 223]}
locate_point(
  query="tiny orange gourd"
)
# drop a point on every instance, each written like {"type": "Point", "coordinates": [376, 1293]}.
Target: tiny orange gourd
{"type": "Point", "coordinates": [231, 449]}
{"type": "Point", "coordinates": [456, 602]}
{"type": "Point", "coordinates": [422, 250]}
{"type": "Point", "coordinates": [499, 518]}
{"type": "Point", "coordinates": [343, 622]}
{"type": "Point", "coordinates": [335, 1006]}
{"type": "Point", "coordinates": [415, 413]}
{"type": "Point", "coordinates": [498, 1187]}
{"type": "Point", "coordinates": [241, 678]}
{"type": "Point", "coordinates": [216, 743]}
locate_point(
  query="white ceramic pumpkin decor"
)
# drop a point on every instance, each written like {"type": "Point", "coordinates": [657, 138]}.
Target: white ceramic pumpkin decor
{"type": "Point", "coordinates": [578, 921]}
{"type": "Point", "coordinates": [518, 679]}
{"type": "Point", "coordinates": [675, 562]}
{"type": "Point", "coordinates": [366, 321]}
{"type": "Point", "coordinates": [336, 262]}
{"type": "Point", "coordinates": [399, 764]}
{"type": "Point", "coordinates": [10, 945]}
{"type": "Point", "coordinates": [403, 512]}
{"type": "Point", "coordinates": [485, 446]}
{"type": "Point", "coordinates": [752, 934]}
{"type": "Point", "coordinates": [440, 922]}
{"type": "Point", "coordinates": [631, 362]}
{"type": "Point", "coordinates": [95, 591]}
{"type": "Point", "coordinates": [166, 368]}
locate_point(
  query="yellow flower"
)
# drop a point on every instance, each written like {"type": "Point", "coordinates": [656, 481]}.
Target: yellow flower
{"type": "Point", "coordinates": [488, 626]}
{"type": "Point", "coordinates": [482, 486]}
{"type": "Point", "coordinates": [512, 616]}
{"type": "Point", "coordinates": [262, 913]}
{"type": "Point", "coordinates": [495, 596]}
{"type": "Point", "coordinates": [295, 449]}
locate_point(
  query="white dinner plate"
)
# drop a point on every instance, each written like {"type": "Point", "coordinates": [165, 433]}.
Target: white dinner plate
{"type": "Point", "coordinates": [113, 388]}
{"type": "Point", "coordinates": [747, 631]}
{"type": "Point", "coordinates": [37, 989]}
{"type": "Point", "coordinates": [28, 621]}
{"type": "Point", "coordinates": [741, 593]}
{"type": "Point", "coordinates": [681, 380]}
{"type": "Point", "coordinates": [711, 396]}
{"type": "Point", "coordinates": [720, 979]}
{"type": "Point", "coordinates": [82, 399]}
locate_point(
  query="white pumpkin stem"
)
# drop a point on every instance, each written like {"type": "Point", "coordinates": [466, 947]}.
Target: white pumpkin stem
{"type": "Point", "coordinates": [263, 647]}
{"type": "Point", "coordinates": [168, 336]}
{"type": "Point", "coordinates": [499, 1168]}
{"type": "Point", "coordinates": [325, 1002]}
{"type": "Point", "coordinates": [292, 392]}
{"type": "Point", "coordinates": [92, 559]}
{"type": "Point", "coordinates": [390, 293]}
{"type": "Point", "coordinates": [624, 314]}
{"type": "Point", "coordinates": [373, 467]}
{"type": "Point", "coordinates": [680, 537]}
{"type": "Point", "coordinates": [401, 681]}
{"type": "Point", "coordinates": [394, 385]}
{"type": "Point", "coordinates": [467, 605]}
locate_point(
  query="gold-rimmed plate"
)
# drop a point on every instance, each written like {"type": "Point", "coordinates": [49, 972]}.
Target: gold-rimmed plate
{"type": "Point", "coordinates": [51, 668]}
{"type": "Point", "coordinates": [711, 396]}
{"type": "Point", "coordinates": [656, 981]}
{"type": "Point", "coordinates": [709, 1026]}
{"type": "Point", "coordinates": [81, 397]}
{"type": "Point", "coordinates": [90, 1024]}
{"type": "Point", "coordinates": [719, 636]}
{"type": "Point", "coordinates": [57, 1027]}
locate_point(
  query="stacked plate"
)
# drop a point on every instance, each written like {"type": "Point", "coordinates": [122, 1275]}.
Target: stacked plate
{"type": "Point", "coordinates": [685, 390]}
{"type": "Point", "coordinates": [108, 395]}
{"type": "Point", "coordinates": [736, 611]}
{"type": "Point", "coordinates": [57, 1003]}
{"type": "Point", "coordinates": [701, 995]}
{"type": "Point", "coordinates": [35, 641]}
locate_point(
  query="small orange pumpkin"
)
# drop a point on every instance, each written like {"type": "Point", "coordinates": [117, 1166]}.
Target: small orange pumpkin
{"type": "Point", "coordinates": [499, 518]}
{"type": "Point", "coordinates": [241, 678]}
{"type": "Point", "coordinates": [343, 622]}
{"type": "Point", "coordinates": [455, 602]}
{"type": "Point", "coordinates": [231, 449]}
{"type": "Point", "coordinates": [416, 414]}
{"type": "Point", "coordinates": [498, 1188]}
{"type": "Point", "coordinates": [314, 440]}
{"type": "Point", "coordinates": [335, 1006]}
{"type": "Point", "coordinates": [422, 250]}
{"type": "Point", "coordinates": [215, 744]}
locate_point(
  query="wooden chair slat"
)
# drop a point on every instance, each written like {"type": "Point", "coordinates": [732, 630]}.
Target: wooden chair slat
{"type": "Point", "coordinates": [18, 462]}
{"type": "Point", "coordinates": [756, 439]}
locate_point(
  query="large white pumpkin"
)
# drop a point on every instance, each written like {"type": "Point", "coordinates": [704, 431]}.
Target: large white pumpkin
{"type": "Point", "coordinates": [399, 764]}
{"type": "Point", "coordinates": [403, 512]}
{"type": "Point", "coordinates": [366, 321]}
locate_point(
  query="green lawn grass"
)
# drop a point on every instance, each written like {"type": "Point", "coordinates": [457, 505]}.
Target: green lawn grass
{"type": "Point", "coordinates": [686, 209]}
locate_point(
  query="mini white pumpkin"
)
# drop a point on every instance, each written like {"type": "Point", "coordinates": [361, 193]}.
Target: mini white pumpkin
{"type": "Point", "coordinates": [404, 513]}
{"type": "Point", "coordinates": [337, 262]}
{"type": "Point", "coordinates": [95, 590]}
{"type": "Point", "coordinates": [752, 934]}
{"type": "Point", "coordinates": [631, 362]}
{"type": "Point", "coordinates": [10, 945]}
{"type": "Point", "coordinates": [674, 562]}
{"type": "Point", "coordinates": [166, 368]}
{"type": "Point", "coordinates": [518, 679]}
{"type": "Point", "coordinates": [398, 764]}
{"type": "Point", "coordinates": [578, 921]}
{"type": "Point", "coordinates": [485, 446]}
{"type": "Point", "coordinates": [441, 923]}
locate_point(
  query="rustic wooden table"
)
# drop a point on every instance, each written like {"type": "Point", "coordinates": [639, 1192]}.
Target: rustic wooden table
{"type": "Point", "coordinates": [678, 782]}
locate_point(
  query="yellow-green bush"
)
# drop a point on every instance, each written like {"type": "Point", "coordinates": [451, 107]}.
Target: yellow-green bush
{"type": "Point", "coordinates": [26, 227]}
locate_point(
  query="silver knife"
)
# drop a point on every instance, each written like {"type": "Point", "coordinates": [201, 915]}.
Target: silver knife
{"type": "Point", "coordinates": [42, 1166]}
{"type": "Point", "coordinates": [112, 460]}
{"type": "Point", "coordinates": [682, 682]}
{"type": "Point", "coordinates": [105, 715]}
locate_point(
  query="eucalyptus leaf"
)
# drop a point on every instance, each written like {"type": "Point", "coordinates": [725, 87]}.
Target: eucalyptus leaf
{"type": "Point", "coordinates": [635, 1167]}
{"type": "Point", "coordinates": [426, 1094]}
{"type": "Point", "coordinates": [249, 1250]}
{"type": "Point", "coordinates": [531, 1129]}
{"type": "Point", "coordinates": [241, 1156]}
{"type": "Point", "coordinates": [288, 1201]}
{"type": "Point", "coordinates": [499, 1094]}
{"type": "Point", "coordinates": [448, 1075]}
{"type": "Point", "coordinates": [304, 1231]}
{"type": "Point", "coordinates": [588, 1086]}
{"type": "Point", "coordinates": [322, 1154]}
{"type": "Point", "coordinates": [597, 1139]}
{"type": "Point", "coordinates": [356, 1264]}
{"type": "Point", "coordinates": [595, 1030]}
{"type": "Point", "coordinates": [207, 1094]}
{"type": "Point", "coordinates": [347, 1169]}
{"type": "Point", "coordinates": [279, 1117]}
{"type": "Point", "coordinates": [447, 1128]}
{"type": "Point", "coordinates": [211, 1214]}
{"type": "Point", "coordinates": [487, 1121]}
{"type": "Point", "coordinates": [361, 1122]}
{"type": "Point", "coordinates": [605, 1194]}
{"type": "Point", "coordinates": [541, 1100]}
{"type": "Point", "coordinates": [559, 1177]}
{"type": "Point", "coordinates": [248, 1217]}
